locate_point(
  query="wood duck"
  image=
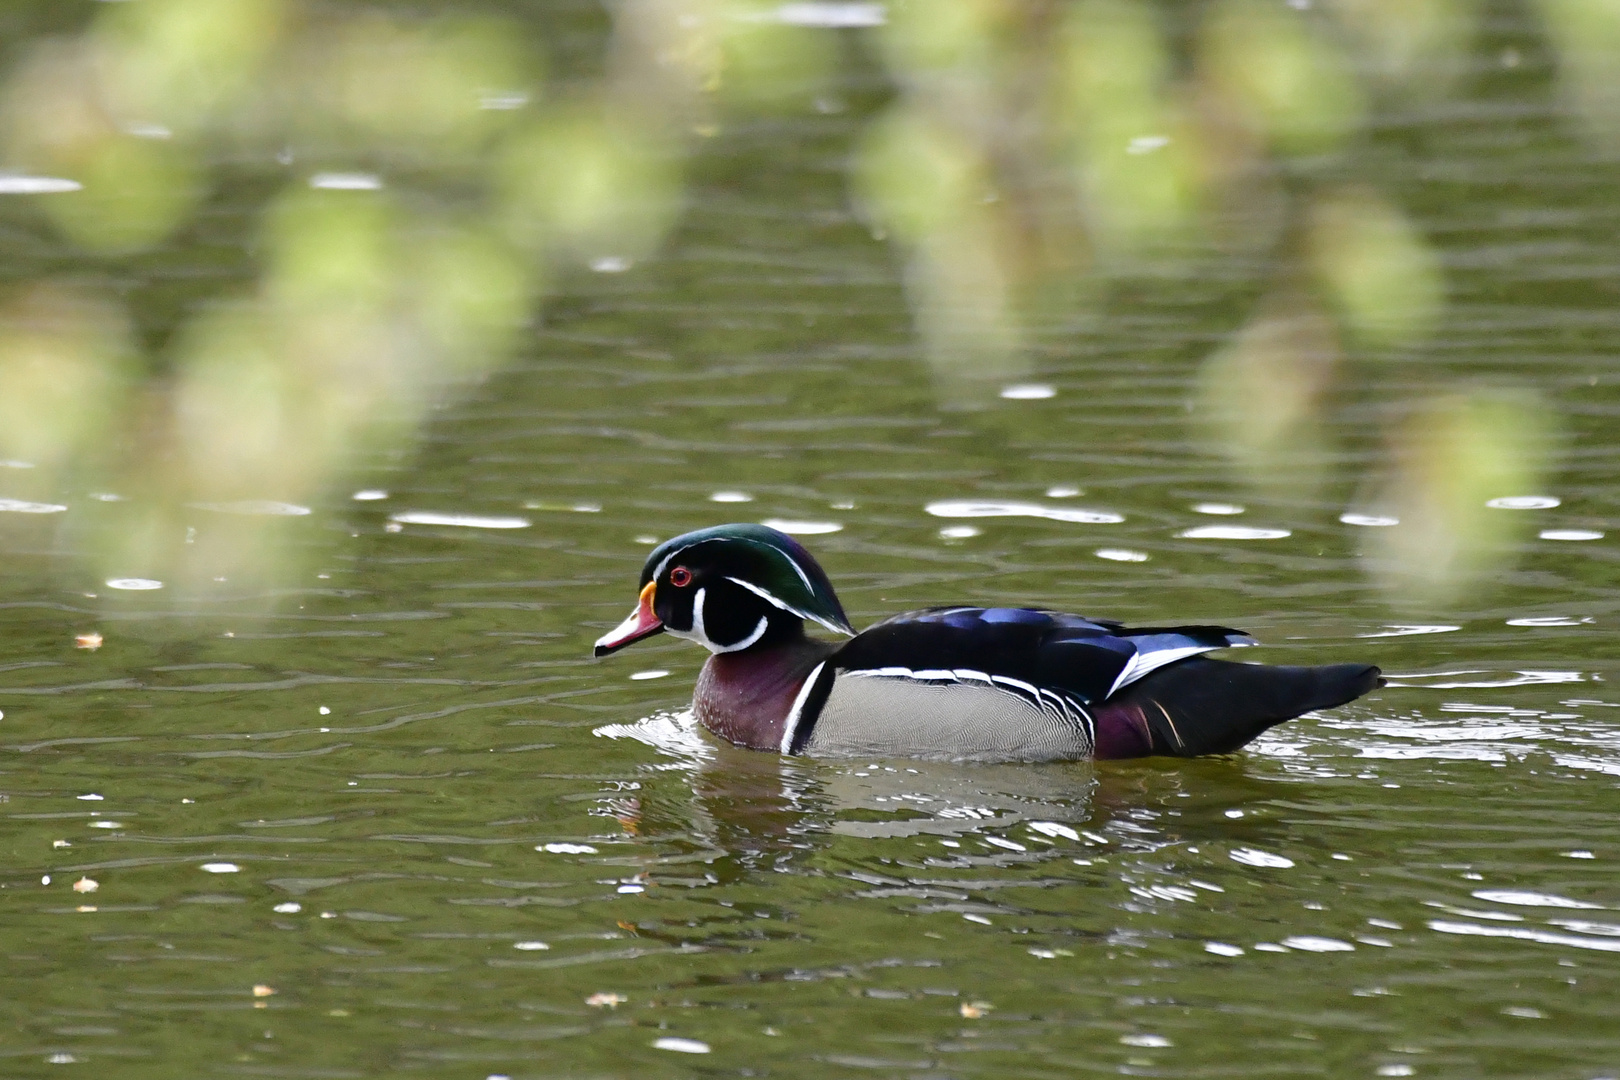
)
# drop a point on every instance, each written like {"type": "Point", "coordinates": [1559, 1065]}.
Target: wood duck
{"type": "Point", "coordinates": [956, 683]}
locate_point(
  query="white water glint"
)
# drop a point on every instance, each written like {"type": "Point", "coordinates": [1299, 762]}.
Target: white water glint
{"type": "Point", "coordinates": [1548, 620]}
{"type": "Point", "coordinates": [570, 508]}
{"type": "Point", "coordinates": [651, 673]}
{"type": "Point", "coordinates": [1431, 753]}
{"type": "Point", "coordinates": [133, 584]}
{"type": "Point", "coordinates": [1520, 898]}
{"type": "Point", "coordinates": [1233, 532]}
{"type": "Point", "coordinates": [1144, 1040]}
{"type": "Point", "coordinates": [1062, 491]}
{"type": "Point", "coordinates": [19, 506]}
{"type": "Point", "coordinates": [958, 532]}
{"type": "Point", "coordinates": [1409, 629]}
{"type": "Point", "coordinates": [465, 521]}
{"type": "Point", "coordinates": [262, 507]}
{"type": "Point", "coordinates": [1570, 534]}
{"type": "Point", "coordinates": [1571, 761]}
{"type": "Point", "coordinates": [981, 508]}
{"type": "Point", "coordinates": [1524, 502]}
{"type": "Point", "coordinates": [1218, 509]}
{"type": "Point", "coordinates": [731, 497]}
{"type": "Point", "coordinates": [219, 868]}
{"type": "Point", "coordinates": [567, 849]}
{"type": "Point", "coordinates": [1453, 680]}
{"type": "Point", "coordinates": [339, 181]}
{"type": "Point", "coordinates": [1442, 733]}
{"type": "Point", "coordinates": [369, 495]}
{"type": "Point", "coordinates": [827, 15]}
{"type": "Point", "coordinates": [1256, 857]}
{"type": "Point", "coordinates": [681, 1046]}
{"type": "Point", "coordinates": [1028, 392]}
{"type": "Point", "coordinates": [1121, 555]}
{"type": "Point", "coordinates": [1525, 933]}
{"type": "Point", "coordinates": [677, 735]}
{"type": "Point", "coordinates": [1581, 926]}
{"type": "Point", "coordinates": [802, 528]}
{"type": "Point", "coordinates": [503, 100]}
{"type": "Point", "coordinates": [1474, 913]}
{"type": "Point", "coordinates": [1369, 521]}
{"type": "Point", "coordinates": [1309, 943]}
{"type": "Point", "coordinates": [37, 185]}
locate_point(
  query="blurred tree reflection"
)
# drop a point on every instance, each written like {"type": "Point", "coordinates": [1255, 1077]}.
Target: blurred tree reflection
{"type": "Point", "coordinates": [433, 177]}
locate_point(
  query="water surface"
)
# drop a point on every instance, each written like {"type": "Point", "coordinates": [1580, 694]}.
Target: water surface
{"type": "Point", "coordinates": [394, 820]}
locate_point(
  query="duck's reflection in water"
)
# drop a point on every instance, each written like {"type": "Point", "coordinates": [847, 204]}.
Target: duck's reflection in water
{"type": "Point", "coordinates": [758, 807]}
{"type": "Point", "coordinates": [746, 810]}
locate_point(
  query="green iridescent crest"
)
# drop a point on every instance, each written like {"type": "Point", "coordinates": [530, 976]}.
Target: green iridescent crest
{"type": "Point", "coordinates": [764, 561]}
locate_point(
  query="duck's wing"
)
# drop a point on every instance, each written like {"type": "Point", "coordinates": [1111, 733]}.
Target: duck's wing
{"type": "Point", "coordinates": [1087, 659]}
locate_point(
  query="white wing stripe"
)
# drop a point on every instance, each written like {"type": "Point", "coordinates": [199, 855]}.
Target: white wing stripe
{"type": "Point", "coordinates": [1143, 663]}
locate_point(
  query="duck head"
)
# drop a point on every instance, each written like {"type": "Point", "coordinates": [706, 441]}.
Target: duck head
{"type": "Point", "coordinates": [729, 588]}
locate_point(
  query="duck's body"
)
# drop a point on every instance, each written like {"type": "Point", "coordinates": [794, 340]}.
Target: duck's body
{"type": "Point", "coordinates": [990, 684]}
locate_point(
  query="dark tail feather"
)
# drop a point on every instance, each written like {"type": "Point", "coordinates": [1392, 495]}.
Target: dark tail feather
{"type": "Point", "coordinates": [1203, 706]}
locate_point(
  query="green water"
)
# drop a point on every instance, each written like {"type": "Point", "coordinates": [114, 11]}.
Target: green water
{"type": "Point", "coordinates": [1421, 883]}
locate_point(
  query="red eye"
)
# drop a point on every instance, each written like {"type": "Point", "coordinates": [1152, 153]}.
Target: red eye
{"type": "Point", "coordinates": [680, 577]}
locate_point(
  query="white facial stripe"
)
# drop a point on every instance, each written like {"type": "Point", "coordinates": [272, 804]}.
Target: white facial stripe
{"type": "Point", "coordinates": [658, 571]}
{"type": "Point", "coordinates": [701, 635]}
{"type": "Point", "coordinates": [789, 608]}
{"type": "Point", "coordinates": [796, 713]}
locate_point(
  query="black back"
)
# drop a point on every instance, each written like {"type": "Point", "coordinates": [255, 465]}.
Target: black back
{"type": "Point", "coordinates": [1086, 657]}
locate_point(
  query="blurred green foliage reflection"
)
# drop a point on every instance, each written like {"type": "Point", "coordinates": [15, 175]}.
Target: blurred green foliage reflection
{"type": "Point", "coordinates": [426, 175]}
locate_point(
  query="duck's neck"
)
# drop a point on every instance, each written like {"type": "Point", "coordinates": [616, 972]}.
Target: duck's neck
{"type": "Point", "coordinates": [745, 697]}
